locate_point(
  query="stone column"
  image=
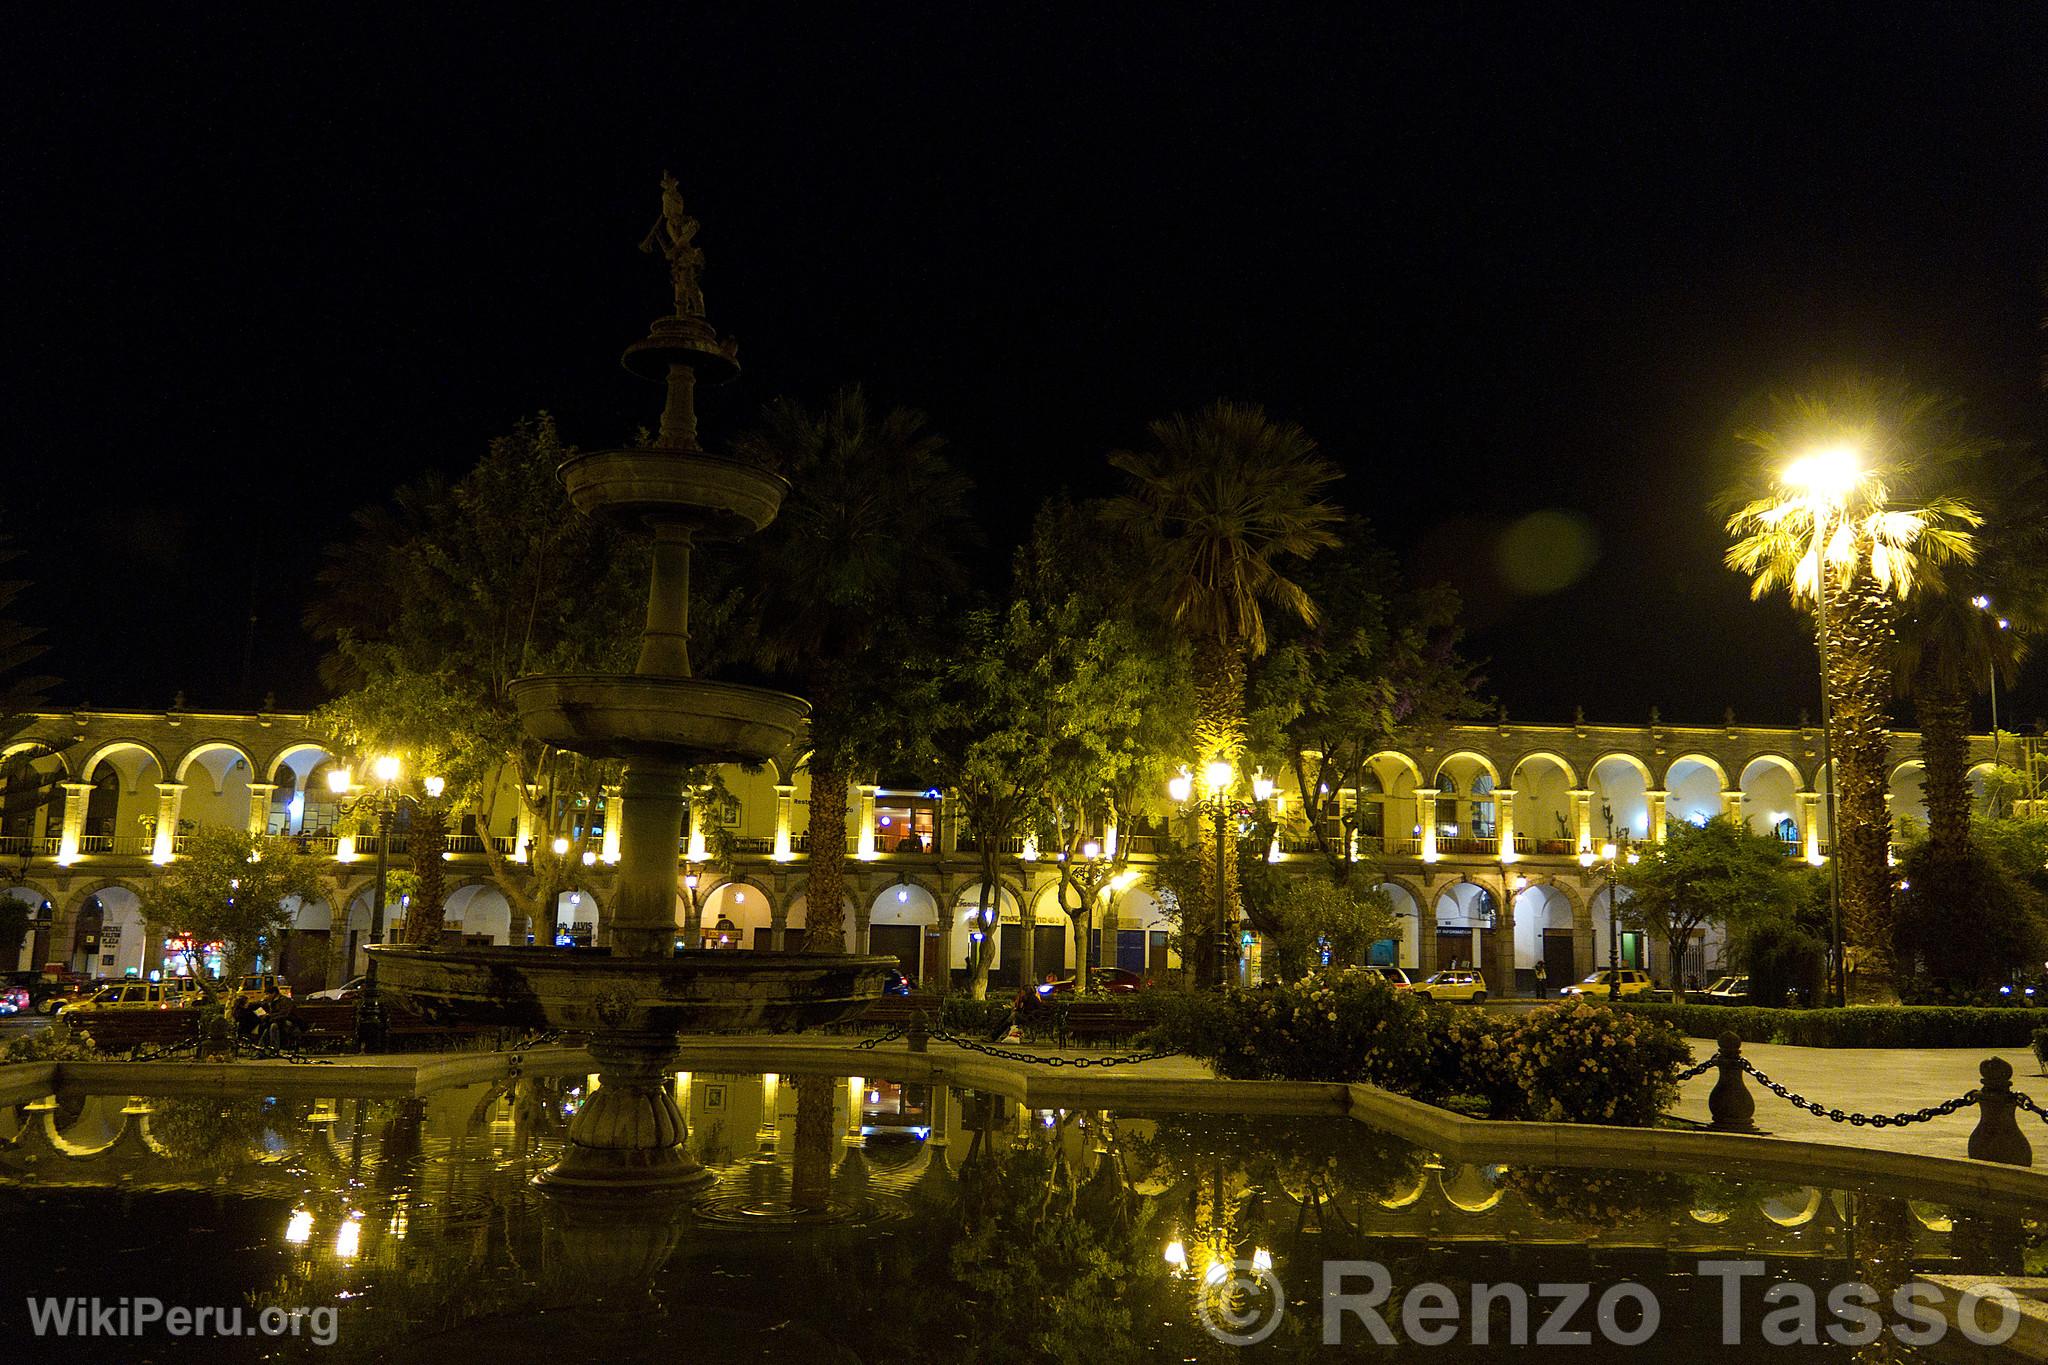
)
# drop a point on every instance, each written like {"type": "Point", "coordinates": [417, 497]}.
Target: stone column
{"type": "Point", "coordinates": [1582, 816]}
{"type": "Point", "coordinates": [169, 797]}
{"type": "Point", "coordinates": [1504, 821]}
{"type": "Point", "coordinates": [1425, 930]}
{"type": "Point", "coordinates": [698, 850]}
{"type": "Point", "coordinates": [643, 919]}
{"type": "Point", "coordinates": [785, 806]}
{"type": "Point", "coordinates": [523, 831]}
{"type": "Point", "coordinates": [1500, 959]}
{"type": "Point", "coordinates": [1425, 821]}
{"type": "Point", "coordinates": [864, 846]}
{"type": "Point", "coordinates": [1658, 799]}
{"type": "Point", "coordinates": [76, 794]}
{"type": "Point", "coordinates": [260, 794]}
{"type": "Point", "coordinates": [1809, 826]}
{"type": "Point", "coordinates": [1731, 801]}
{"type": "Point", "coordinates": [614, 812]}
{"type": "Point", "coordinates": [778, 926]}
{"type": "Point", "coordinates": [1585, 952]}
{"type": "Point", "coordinates": [863, 910]}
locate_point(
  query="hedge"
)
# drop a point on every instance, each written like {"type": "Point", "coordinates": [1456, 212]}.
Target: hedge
{"type": "Point", "coordinates": [1856, 1026]}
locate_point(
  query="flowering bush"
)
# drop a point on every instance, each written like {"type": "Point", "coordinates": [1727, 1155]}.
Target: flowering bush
{"type": "Point", "coordinates": [1581, 1063]}
{"type": "Point", "coordinates": [1344, 1025]}
{"type": "Point", "coordinates": [1572, 1063]}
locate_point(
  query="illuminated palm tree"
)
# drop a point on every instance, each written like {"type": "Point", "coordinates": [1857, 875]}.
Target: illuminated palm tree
{"type": "Point", "coordinates": [1849, 513]}
{"type": "Point", "coordinates": [1220, 502]}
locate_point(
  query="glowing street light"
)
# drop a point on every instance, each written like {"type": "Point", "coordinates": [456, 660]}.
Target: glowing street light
{"type": "Point", "coordinates": [339, 781]}
{"type": "Point", "coordinates": [387, 768]}
{"type": "Point", "coordinates": [1983, 604]}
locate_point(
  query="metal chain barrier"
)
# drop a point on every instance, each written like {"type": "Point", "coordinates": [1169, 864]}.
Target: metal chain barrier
{"type": "Point", "coordinates": [1962, 1101]}
{"type": "Point", "coordinates": [1010, 1055]}
{"type": "Point", "coordinates": [2026, 1102]}
{"type": "Point", "coordinates": [870, 1044]}
{"type": "Point", "coordinates": [1702, 1069]}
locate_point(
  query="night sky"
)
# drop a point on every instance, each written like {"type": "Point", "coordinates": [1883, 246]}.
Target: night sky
{"type": "Point", "coordinates": [1500, 261]}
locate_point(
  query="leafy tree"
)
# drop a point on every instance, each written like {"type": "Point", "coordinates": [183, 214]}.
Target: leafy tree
{"type": "Point", "coordinates": [431, 610]}
{"type": "Point", "coordinates": [1965, 923]}
{"type": "Point", "coordinates": [2020, 847]}
{"type": "Point", "coordinates": [235, 888]}
{"type": "Point", "coordinates": [1721, 872]}
{"type": "Point", "coordinates": [863, 550]}
{"type": "Point", "coordinates": [1379, 661]}
{"type": "Point", "coordinates": [1311, 913]}
{"type": "Point", "coordinates": [1893, 528]}
{"type": "Point", "coordinates": [1222, 503]}
{"type": "Point", "coordinates": [16, 915]}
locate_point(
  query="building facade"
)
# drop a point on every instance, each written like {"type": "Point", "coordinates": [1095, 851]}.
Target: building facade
{"type": "Point", "coordinates": [1477, 839]}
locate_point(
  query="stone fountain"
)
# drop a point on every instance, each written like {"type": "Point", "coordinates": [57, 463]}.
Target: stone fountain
{"type": "Point", "coordinates": [635, 998]}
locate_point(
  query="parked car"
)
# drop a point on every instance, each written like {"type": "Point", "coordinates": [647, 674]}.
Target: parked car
{"type": "Point", "coordinates": [1397, 977]}
{"type": "Point", "coordinates": [52, 994]}
{"type": "Point", "coordinates": [256, 985]}
{"type": "Point", "coordinates": [122, 996]}
{"type": "Point", "coordinates": [1599, 985]}
{"type": "Point", "coordinates": [1729, 990]}
{"type": "Point", "coordinates": [347, 990]}
{"type": "Point", "coordinates": [1456, 985]}
{"type": "Point", "coordinates": [13, 999]}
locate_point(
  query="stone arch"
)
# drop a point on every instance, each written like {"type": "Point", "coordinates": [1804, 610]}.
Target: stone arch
{"type": "Point", "coordinates": [77, 899]}
{"type": "Point", "coordinates": [291, 751]}
{"type": "Point", "coordinates": [212, 746]}
{"type": "Point", "coordinates": [38, 750]}
{"type": "Point", "coordinates": [1005, 886]}
{"type": "Point", "coordinates": [1624, 798]}
{"type": "Point", "coordinates": [1705, 760]}
{"type": "Point", "coordinates": [1478, 759]}
{"type": "Point", "coordinates": [131, 783]}
{"type": "Point", "coordinates": [1776, 760]}
{"type": "Point", "coordinates": [1551, 756]}
{"type": "Point", "coordinates": [1771, 784]}
{"type": "Point", "coordinates": [741, 902]}
{"type": "Point", "coordinates": [1413, 770]}
{"type": "Point", "coordinates": [481, 907]}
{"type": "Point", "coordinates": [1694, 782]}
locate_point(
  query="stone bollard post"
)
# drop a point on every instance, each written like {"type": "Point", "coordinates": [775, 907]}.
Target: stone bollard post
{"type": "Point", "coordinates": [1997, 1136]}
{"type": "Point", "coordinates": [918, 1038]}
{"type": "Point", "coordinates": [1732, 1106]}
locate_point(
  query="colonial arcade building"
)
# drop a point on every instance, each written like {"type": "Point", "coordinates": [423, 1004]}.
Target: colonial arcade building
{"type": "Point", "coordinates": [1477, 839]}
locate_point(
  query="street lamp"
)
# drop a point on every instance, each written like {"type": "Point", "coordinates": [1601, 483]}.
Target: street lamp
{"type": "Point", "coordinates": [384, 800]}
{"type": "Point", "coordinates": [1825, 478]}
{"type": "Point", "coordinates": [1983, 604]}
{"type": "Point", "coordinates": [1219, 780]}
{"type": "Point", "coordinates": [1609, 855]}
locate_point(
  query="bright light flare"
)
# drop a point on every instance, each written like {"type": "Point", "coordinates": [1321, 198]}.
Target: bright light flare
{"type": "Point", "coordinates": [348, 1238]}
{"type": "Point", "coordinates": [387, 768]}
{"type": "Point", "coordinates": [435, 786]}
{"type": "Point", "coordinates": [300, 1229]}
{"type": "Point", "coordinates": [338, 781]}
{"type": "Point", "coordinates": [1827, 474]}
{"type": "Point", "coordinates": [1180, 787]}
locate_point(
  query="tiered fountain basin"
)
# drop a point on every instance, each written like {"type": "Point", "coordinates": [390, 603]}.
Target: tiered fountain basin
{"type": "Point", "coordinates": [725, 498]}
{"type": "Point", "coordinates": [658, 718]}
{"type": "Point", "coordinates": [588, 990]}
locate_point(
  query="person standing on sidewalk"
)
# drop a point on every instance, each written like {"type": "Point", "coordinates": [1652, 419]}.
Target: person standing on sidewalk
{"type": "Point", "coordinates": [1541, 984]}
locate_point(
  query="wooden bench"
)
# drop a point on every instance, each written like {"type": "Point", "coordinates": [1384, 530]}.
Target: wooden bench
{"type": "Point", "coordinates": [1099, 1021]}
{"type": "Point", "coordinates": [127, 1031]}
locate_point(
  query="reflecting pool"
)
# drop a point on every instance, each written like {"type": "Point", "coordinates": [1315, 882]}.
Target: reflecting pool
{"type": "Point", "coordinates": [857, 1219]}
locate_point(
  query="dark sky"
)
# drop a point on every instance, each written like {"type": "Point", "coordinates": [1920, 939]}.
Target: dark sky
{"type": "Point", "coordinates": [1500, 260]}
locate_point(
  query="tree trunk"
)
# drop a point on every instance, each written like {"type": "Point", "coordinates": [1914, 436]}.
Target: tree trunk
{"type": "Point", "coordinates": [1860, 688]}
{"type": "Point", "coordinates": [1943, 712]}
{"type": "Point", "coordinates": [981, 952]}
{"type": "Point", "coordinates": [825, 896]}
{"type": "Point", "coordinates": [426, 842]}
{"type": "Point", "coordinates": [1219, 733]}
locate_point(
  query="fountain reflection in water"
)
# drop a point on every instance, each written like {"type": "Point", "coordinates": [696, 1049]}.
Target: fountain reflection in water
{"type": "Point", "coordinates": [636, 997]}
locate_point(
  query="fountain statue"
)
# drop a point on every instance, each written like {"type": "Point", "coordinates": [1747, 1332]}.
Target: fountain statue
{"type": "Point", "coordinates": [634, 998]}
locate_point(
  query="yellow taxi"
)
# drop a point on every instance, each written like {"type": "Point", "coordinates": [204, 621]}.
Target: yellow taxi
{"type": "Point", "coordinates": [1596, 986]}
{"type": "Point", "coordinates": [256, 985]}
{"type": "Point", "coordinates": [1454, 985]}
{"type": "Point", "coordinates": [133, 995]}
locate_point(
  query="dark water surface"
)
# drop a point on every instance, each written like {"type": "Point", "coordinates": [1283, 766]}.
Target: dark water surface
{"type": "Point", "coordinates": [910, 1224]}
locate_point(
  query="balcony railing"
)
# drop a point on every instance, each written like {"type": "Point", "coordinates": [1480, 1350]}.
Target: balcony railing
{"type": "Point", "coordinates": [754, 844]}
{"type": "Point", "coordinates": [1012, 845]}
{"type": "Point", "coordinates": [1142, 845]}
{"type": "Point", "coordinates": [28, 846]}
{"type": "Point", "coordinates": [1465, 845]}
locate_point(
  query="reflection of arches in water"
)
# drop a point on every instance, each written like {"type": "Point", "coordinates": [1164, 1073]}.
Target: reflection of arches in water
{"type": "Point", "coordinates": [98, 1125]}
{"type": "Point", "coordinates": [1792, 1208]}
{"type": "Point", "coordinates": [1475, 1189]}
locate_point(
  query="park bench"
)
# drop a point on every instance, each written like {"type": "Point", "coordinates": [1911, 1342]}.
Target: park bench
{"type": "Point", "coordinates": [1100, 1021]}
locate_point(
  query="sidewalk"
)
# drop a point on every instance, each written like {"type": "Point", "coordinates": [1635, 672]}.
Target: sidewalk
{"type": "Point", "coordinates": [1873, 1081]}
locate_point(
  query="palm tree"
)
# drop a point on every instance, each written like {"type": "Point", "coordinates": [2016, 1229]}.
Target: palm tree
{"type": "Point", "coordinates": [1952, 642]}
{"type": "Point", "coordinates": [1220, 502]}
{"type": "Point", "coordinates": [866, 542]}
{"type": "Point", "coordinates": [1878, 536]}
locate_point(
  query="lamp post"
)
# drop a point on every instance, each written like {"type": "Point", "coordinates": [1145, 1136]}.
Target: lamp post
{"type": "Point", "coordinates": [1609, 855]}
{"type": "Point", "coordinates": [1983, 604]}
{"type": "Point", "coordinates": [384, 799]}
{"type": "Point", "coordinates": [1219, 782]}
{"type": "Point", "coordinates": [1824, 478]}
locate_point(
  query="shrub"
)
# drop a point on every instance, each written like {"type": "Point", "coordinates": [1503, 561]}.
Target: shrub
{"type": "Point", "coordinates": [1581, 1063]}
{"type": "Point", "coordinates": [1857, 1026]}
{"type": "Point", "coordinates": [2041, 1046]}
{"type": "Point", "coordinates": [1961, 918]}
{"type": "Point", "coordinates": [962, 1013]}
{"type": "Point", "coordinates": [1462, 1055]}
{"type": "Point", "coordinates": [60, 1042]}
{"type": "Point", "coordinates": [1346, 1025]}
